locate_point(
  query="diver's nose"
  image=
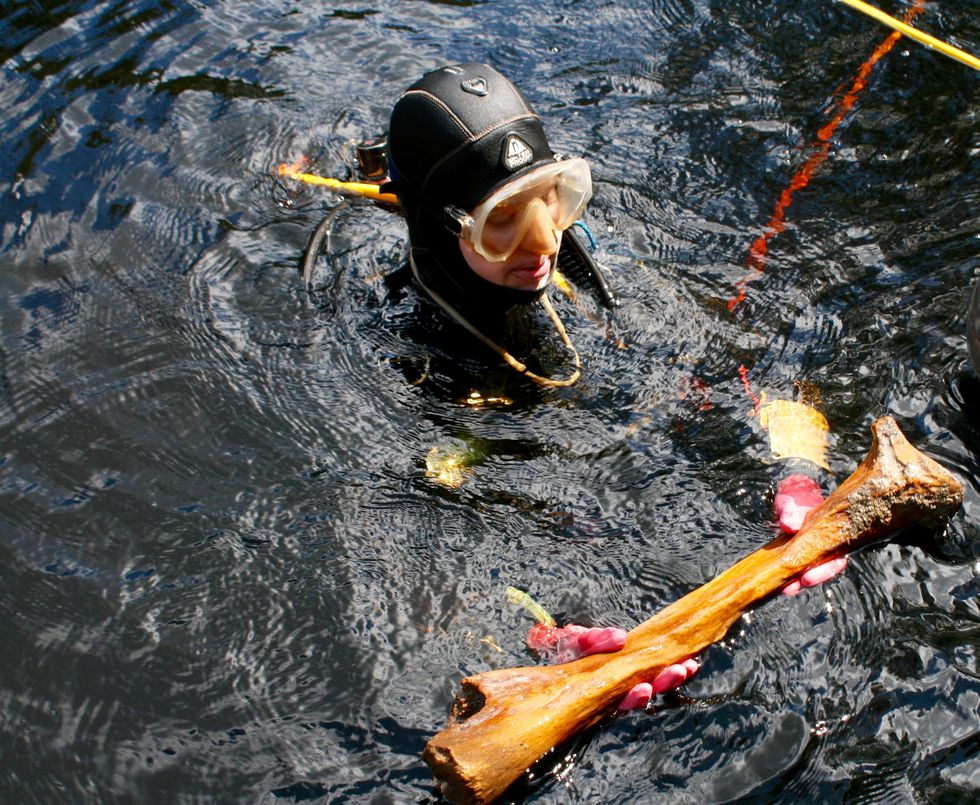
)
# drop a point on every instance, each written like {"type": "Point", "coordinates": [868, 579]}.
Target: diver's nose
{"type": "Point", "coordinates": [541, 237]}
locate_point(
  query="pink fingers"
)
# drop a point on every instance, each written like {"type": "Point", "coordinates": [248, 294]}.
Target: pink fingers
{"type": "Point", "coordinates": [601, 640]}
{"type": "Point", "coordinates": [823, 572]}
{"type": "Point", "coordinates": [793, 588]}
{"type": "Point", "coordinates": [817, 574]}
{"type": "Point", "coordinates": [637, 698]}
{"type": "Point", "coordinates": [669, 678]}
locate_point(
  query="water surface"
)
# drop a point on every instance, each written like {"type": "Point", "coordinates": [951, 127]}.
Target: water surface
{"type": "Point", "coordinates": [225, 574]}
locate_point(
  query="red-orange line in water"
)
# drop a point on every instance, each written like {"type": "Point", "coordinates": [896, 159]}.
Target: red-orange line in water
{"type": "Point", "coordinates": [760, 247]}
{"type": "Point", "coordinates": [744, 374]}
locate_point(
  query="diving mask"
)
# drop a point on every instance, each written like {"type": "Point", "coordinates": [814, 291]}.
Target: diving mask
{"type": "Point", "coordinates": [554, 194]}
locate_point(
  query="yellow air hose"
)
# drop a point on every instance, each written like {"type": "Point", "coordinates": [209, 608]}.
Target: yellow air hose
{"type": "Point", "coordinates": [365, 189]}
{"type": "Point", "coordinates": [913, 33]}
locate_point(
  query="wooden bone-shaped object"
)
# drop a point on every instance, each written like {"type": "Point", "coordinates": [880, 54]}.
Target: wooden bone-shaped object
{"type": "Point", "coordinates": [504, 720]}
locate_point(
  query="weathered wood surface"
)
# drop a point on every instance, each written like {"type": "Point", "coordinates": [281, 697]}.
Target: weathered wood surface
{"type": "Point", "coordinates": [504, 720]}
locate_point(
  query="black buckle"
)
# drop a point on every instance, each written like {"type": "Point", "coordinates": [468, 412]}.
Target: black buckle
{"type": "Point", "coordinates": [454, 219]}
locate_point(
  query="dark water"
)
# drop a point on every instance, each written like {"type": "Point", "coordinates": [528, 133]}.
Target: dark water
{"type": "Point", "coordinates": [225, 576]}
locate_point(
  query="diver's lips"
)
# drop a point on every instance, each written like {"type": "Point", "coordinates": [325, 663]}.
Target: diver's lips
{"type": "Point", "coordinates": [535, 271]}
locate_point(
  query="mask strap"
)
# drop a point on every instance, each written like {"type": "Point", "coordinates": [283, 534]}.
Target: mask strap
{"type": "Point", "coordinates": [515, 364]}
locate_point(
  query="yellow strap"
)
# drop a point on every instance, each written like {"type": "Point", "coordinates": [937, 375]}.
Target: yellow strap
{"type": "Point", "coordinates": [917, 35]}
{"type": "Point", "coordinates": [365, 189]}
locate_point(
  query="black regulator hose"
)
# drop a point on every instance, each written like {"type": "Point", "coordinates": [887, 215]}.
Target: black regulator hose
{"type": "Point", "coordinates": [320, 235]}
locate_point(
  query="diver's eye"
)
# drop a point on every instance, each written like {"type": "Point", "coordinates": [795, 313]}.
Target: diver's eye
{"type": "Point", "coordinates": [501, 216]}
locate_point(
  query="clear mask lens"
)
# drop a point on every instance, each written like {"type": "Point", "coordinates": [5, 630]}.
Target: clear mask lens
{"type": "Point", "coordinates": [538, 207]}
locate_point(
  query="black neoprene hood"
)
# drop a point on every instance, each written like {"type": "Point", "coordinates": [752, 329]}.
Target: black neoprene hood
{"type": "Point", "coordinates": [455, 136]}
{"type": "Point", "coordinates": [459, 133]}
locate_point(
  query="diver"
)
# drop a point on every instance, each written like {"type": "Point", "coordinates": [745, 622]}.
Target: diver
{"type": "Point", "coordinates": [489, 208]}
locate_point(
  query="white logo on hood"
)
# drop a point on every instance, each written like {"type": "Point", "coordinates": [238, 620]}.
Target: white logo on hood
{"type": "Point", "coordinates": [516, 153]}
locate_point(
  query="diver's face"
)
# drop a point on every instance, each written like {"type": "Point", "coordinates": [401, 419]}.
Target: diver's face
{"type": "Point", "coordinates": [529, 268]}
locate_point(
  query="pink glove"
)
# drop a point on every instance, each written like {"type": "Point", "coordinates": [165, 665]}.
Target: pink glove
{"type": "Point", "coordinates": [796, 497]}
{"type": "Point", "coordinates": [566, 643]}
{"type": "Point", "coordinates": [673, 676]}
{"type": "Point", "coordinates": [558, 644]}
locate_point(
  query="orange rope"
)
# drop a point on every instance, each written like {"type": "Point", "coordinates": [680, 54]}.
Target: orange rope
{"type": "Point", "coordinates": [760, 247]}
{"type": "Point", "coordinates": [744, 374]}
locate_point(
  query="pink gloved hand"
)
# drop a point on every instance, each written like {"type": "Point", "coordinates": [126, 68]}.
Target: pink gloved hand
{"type": "Point", "coordinates": [560, 644]}
{"type": "Point", "coordinates": [796, 497]}
{"type": "Point", "coordinates": [817, 574]}
{"type": "Point", "coordinates": [673, 676]}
